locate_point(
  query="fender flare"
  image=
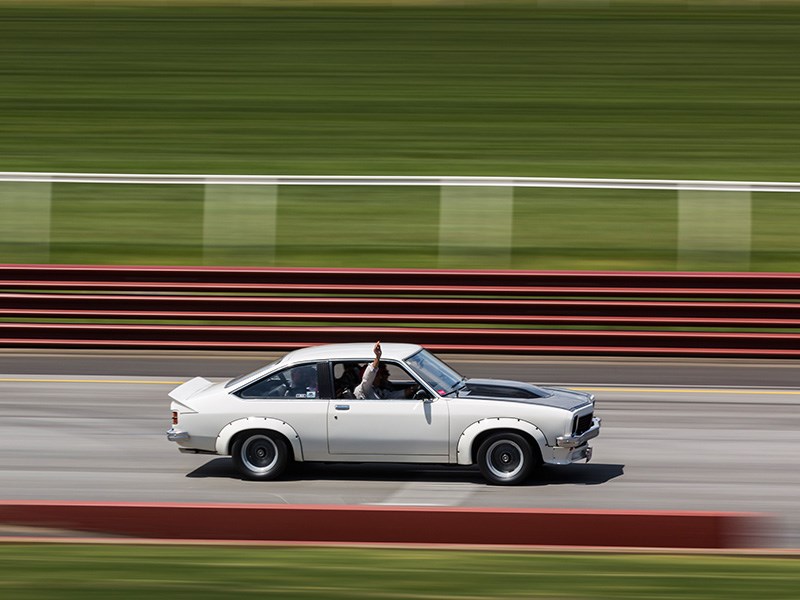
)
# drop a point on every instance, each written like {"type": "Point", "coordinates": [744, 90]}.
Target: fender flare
{"type": "Point", "coordinates": [231, 429]}
{"type": "Point", "coordinates": [467, 438]}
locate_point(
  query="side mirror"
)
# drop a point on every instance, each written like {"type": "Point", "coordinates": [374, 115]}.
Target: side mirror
{"type": "Point", "coordinates": [422, 394]}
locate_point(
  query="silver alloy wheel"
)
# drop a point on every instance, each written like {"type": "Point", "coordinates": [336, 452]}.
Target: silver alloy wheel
{"type": "Point", "coordinates": [259, 453]}
{"type": "Point", "coordinates": [505, 459]}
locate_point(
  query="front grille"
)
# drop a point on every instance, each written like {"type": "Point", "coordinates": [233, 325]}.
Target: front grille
{"type": "Point", "coordinates": [581, 424]}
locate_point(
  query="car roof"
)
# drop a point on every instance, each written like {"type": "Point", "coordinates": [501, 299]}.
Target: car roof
{"type": "Point", "coordinates": [356, 351]}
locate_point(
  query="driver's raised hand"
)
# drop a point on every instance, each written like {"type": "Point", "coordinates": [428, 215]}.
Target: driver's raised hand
{"type": "Point", "coordinates": [378, 352]}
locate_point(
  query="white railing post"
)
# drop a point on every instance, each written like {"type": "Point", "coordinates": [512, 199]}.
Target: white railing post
{"type": "Point", "coordinates": [239, 224]}
{"type": "Point", "coordinates": [714, 228]}
{"type": "Point", "coordinates": [25, 220]}
{"type": "Point", "coordinates": [475, 227]}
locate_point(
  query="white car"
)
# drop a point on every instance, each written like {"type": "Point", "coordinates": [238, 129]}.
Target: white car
{"type": "Point", "coordinates": [303, 408]}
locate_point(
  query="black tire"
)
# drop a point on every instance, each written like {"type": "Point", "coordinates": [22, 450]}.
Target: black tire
{"type": "Point", "coordinates": [505, 459]}
{"type": "Point", "coordinates": [260, 455]}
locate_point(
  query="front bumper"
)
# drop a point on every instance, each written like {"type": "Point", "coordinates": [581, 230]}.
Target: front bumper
{"type": "Point", "coordinates": [176, 435]}
{"type": "Point", "coordinates": [574, 441]}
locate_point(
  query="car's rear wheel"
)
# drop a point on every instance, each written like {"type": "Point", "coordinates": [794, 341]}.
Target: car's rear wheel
{"type": "Point", "coordinates": [505, 458]}
{"type": "Point", "coordinates": [260, 455]}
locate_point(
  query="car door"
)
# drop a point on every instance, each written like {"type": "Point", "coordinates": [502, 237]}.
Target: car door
{"type": "Point", "coordinates": [296, 396]}
{"type": "Point", "coordinates": [392, 427]}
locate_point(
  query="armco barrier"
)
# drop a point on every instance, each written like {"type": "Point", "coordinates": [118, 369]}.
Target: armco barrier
{"type": "Point", "coordinates": [409, 281]}
{"type": "Point", "coordinates": [390, 310]}
{"type": "Point", "coordinates": [546, 312]}
{"type": "Point", "coordinates": [393, 525]}
{"type": "Point", "coordinates": [644, 343]}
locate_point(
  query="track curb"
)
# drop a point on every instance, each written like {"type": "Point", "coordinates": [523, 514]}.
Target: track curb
{"type": "Point", "coordinates": [385, 525]}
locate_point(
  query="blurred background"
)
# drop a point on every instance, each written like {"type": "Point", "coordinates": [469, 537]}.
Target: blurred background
{"type": "Point", "coordinates": [672, 89]}
{"type": "Point", "coordinates": [585, 88]}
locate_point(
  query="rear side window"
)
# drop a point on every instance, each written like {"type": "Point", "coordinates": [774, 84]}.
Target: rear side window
{"type": "Point", "coordinates": [237, 380]}
{"type": "Point", "coordinates": [300, 381]}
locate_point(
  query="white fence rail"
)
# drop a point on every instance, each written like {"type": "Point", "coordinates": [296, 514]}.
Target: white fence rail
{"type": "Point", "coordinates": [714, 217]}
{"type": "Point", "coordinates": [342, 180]}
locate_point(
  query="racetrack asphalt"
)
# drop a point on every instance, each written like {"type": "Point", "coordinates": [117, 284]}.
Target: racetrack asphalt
{"type": "Point", "coordinates": [540, 369]}
{"type": "Point", "coordinates": [677, 435]}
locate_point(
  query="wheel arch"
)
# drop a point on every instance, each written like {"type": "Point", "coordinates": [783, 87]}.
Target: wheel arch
{"type": "Point", "coordinates": [227, 436]}
{"type": "Point", "coordinates": [472, 437]}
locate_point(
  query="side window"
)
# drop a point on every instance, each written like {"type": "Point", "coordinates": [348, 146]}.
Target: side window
{"type": "Point", "coordinates": [399, 378]}
{"type": "Point", "coordinates": [397, 383]}
{"type": "Point", "coordinates": [346, 377]}
{"type": "Point", "coordinates": [295, 382]}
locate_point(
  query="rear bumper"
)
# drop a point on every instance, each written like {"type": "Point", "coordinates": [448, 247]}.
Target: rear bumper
{"type": "Point", "coordinates": [176, 435]}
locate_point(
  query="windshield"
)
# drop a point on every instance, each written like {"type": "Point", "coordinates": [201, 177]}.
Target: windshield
{"type": "Point", "coordinates": [242, 378]}
{"type": "Point", "coordinates": [434, 372]}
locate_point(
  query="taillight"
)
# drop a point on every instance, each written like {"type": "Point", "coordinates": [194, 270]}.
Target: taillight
{"type": "Point", "coordinates": [174, 417]}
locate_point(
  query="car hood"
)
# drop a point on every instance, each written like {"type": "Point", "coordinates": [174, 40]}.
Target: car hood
{"type": "Point", "coordinates": [518, 391]}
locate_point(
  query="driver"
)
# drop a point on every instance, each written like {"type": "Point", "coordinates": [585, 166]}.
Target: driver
{"type": "Point", "coordinates": [375, 381]}
{"type": "Point", "coordinates": [302, 383]}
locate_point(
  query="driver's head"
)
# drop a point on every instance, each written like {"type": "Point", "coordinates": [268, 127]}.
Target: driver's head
{"type": "Point", "coordinates": [351, 370]}
{"type": "Point", "coordinates": [301, 376]}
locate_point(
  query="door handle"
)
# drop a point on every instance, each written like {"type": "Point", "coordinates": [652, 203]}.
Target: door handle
{"type": "Point", "coordinates": [342, 407]}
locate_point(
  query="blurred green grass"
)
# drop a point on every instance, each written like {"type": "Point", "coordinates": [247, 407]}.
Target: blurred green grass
{"type": "Point", "coordinates": [84, 571]}
{"type": "Point", "coordinates": [633, 89]}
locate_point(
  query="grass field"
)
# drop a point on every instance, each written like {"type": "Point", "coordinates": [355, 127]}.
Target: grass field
{"type": "Point", "coordinates": [68, 571]}
{"type": "Point", "coordinates": [633, 89]}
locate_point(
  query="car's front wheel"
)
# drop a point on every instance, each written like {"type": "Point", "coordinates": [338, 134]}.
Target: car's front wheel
{"type": "Point", "coordinates": [260, 455]}
{"type": "Point", "coordinates": [505, 458]}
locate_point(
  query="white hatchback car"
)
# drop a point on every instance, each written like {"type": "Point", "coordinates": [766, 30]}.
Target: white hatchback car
{"type": "Point", "coordinates": [302, 408]}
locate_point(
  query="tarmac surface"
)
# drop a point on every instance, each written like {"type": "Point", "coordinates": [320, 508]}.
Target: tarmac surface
{"type": "Point", "coordinates": [677, 435]}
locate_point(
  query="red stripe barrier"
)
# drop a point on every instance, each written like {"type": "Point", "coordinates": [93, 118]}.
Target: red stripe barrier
{"type": "Point", "coordinates": [412, 276]}
{"type": "Point", "coordinates": [428, 297]}
{"type": "Point", "coordinates": [392, 310]}
{"type": "Point", "coordinates": [442, 339]}
{"type": "Point", "coordinates": [406, 525]}
{"type": "Point", "coordinates": [367, 289]}
{"type": "Point", "coordinates": [410, 281]}
{"type": "Point", "coordinates": [394, 317]}
{"type": "Point", "coordinates": [355, 306]}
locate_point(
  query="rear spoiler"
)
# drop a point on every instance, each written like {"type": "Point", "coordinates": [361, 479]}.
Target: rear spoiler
{"type": "Point", "coordinates": [190, 388]}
